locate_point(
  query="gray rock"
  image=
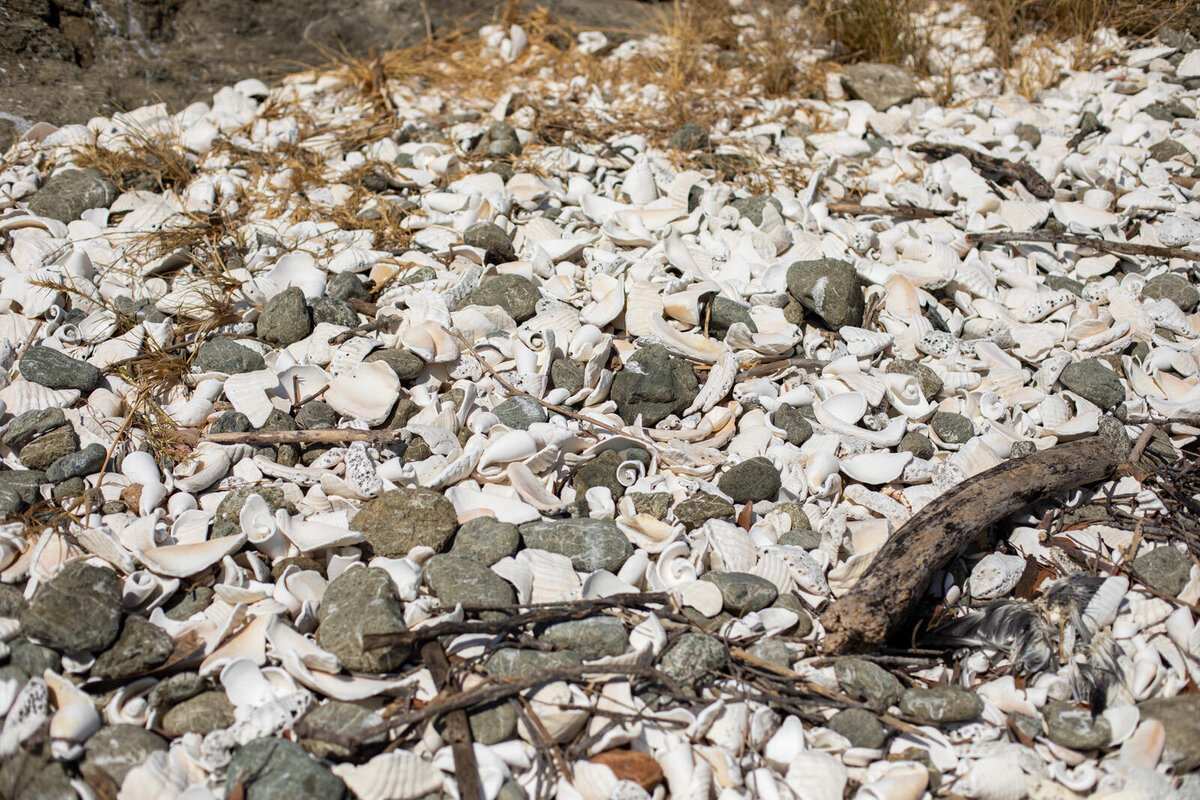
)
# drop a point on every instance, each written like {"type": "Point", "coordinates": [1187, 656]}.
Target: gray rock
{"type": "Point", "coordinates": [601, 471]}
{"type": "Point", "coordinates": [71, 487]}
{"type": "Point", "coordinates": [509, 662]}
{"type": "Point", "coordinates": [860, 726]}
{"type": "Point", "coordinates": [49, 447]}
{"type": "Point", "coordinates": [511, 790]}
{"type": "Point", "coordinates": [87, 461]}
{"type": "Point", "coordinates": [272, 768]}
{"type": "Point", "coordinates": [345, 285]}
{"type": "Point", "coordinates": [513, 293]}
{"type": "Point", "coordinates": [76, 611]}
{"type": "Point", "coordinates": [12, 601]}
{"type": "Point", "coordinates": [1180, 717]}
{"type": "Point", "coordinates": [691, 657]}
{"type": "Point", "coordinates": [1022, 449]}
{"type": "Point", "coordinates": [830, 289]}
{"type": "Point", "coordinates": [591, 544]}
{"type": "Point", "coordinates": [1075, 727]}
{"type": "Point", "coordinates": [1030, 726]}
{"type": "Point", "coordinates": [700, 508]}
{"type": "Point", "coordinates": [231, 422]}
{"type": "Point", "coordinates": [773, 651]}
{"type": "Point", "coordinates": [797, 429]}
{"type": "Point", "coordinates": [465, 579]}
{"type": "Point", "coordinates": [141, 647]}
{"type": "Point", "coordinates": [752, 207]}
{"type": "Point", "coordinates": [407, 365]}
{"type": "Point", "coordinates": [653, 384]}
{"type": "Point", "coordinates": [806, 539]}
{"type": "Point", "coordinates": [335, 312]}
{"type": "Point", "coordinates": [930, 383]}
{"type": "Point", "coordinates": [690, 137]}
{"type": "Point", "coordinates": [868, 682]}
{"type": "Point", "coordinates": [69, 193]}
{"type": "Point", "coordinates": [57, 370]}
{"type": "Point", "coordinates": [1174, 287]}
{"type": "Point", "coordinates": [1112, 431]}
{"type": "Point", "coordinates": [33, 659]}
{"type": "Point", "coordinates": [1029, 133]}
{"type": "Point", "coordinates": [941, 704]}
{"type": "Point", "coordinates": [656, 504]}
{"type": "Point", "coordinates": [751, 480]}
{"type": "Point", "coordinates": [916, 443]}
{"type": "Point", "coordinates": [176, 688]}
{"type": "Point", "coordinates": [116, 749]}
{"type": "Point", "coordinates": [724, 313]}
{"type": "Point", "coordinates": [25, 776]}
{"type": "Point", "coordinates": [202, 714]}
{"type": "Point", "coordinates": [881, 85]}
{"type": "Point", "coordinates": [500, 139]}
{"type": "Point", "coordinates": [1094, 381]}
{"type": "Point", "coordinates": [230, 507]}
{"type": "Point", "coordinates": [1164, 569]}
{"type": "Point", "coordinates": [591, 637]}
{"type": "Point", "coordinates": [285, 319]}
{"type": "Point", "coordinates": [520, 412]}
{"type": "Point", "coordinates": [952, 428]}
{"type": "Point", "coordinates": [316, 415]}
{"type": "Point", "coordinates": [490, 723]}
{"type": "Point", "coordinates": [401, 519]}
{"type": "Point", "coordinates": [493, 240]}
{"type": "Point", "coordinates": [1166, 150]}
{"type": "Point", "coordinates": [1059, 282]}
{"type": "Point", "coordinates": [566, 374]}
{"type": "Point", "coordinates": [222, 354]}
{"type": "Point", "coordinates": [487, 539]}
{"type": "Point", "coordinates": [325, 728]}
{"type": "Point", "coordinates": [22, 430]}
{"type": "Point", "coordinates": [183, 606]}
{"type": "Point", "coordinates": [355, 604]}
{"type": "Point", "coordinates": [742, 592]}
{"type": "Point", "coordinates": [284, 453]}
{"type": "Point", "coordinates": [800, 520]}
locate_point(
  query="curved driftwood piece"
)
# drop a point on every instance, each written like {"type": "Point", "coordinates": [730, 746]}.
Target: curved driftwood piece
{"type": "Point", "coordinates": [889, 590]}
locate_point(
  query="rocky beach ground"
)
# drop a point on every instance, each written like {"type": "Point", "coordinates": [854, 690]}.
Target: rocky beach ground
{"type": "Point", "coordinates": [517, 414]}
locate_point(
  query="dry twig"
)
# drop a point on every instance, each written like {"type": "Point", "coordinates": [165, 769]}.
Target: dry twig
{"type": "Point", "coordinates": [1046, 237]}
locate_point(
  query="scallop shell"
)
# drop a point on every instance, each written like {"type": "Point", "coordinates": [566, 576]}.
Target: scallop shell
{"type": "Point", "coordinates": [248, 392]}
{"type": "Point", "coordinates": [730, 549]}
{"type": "Point", "coordinates": [368, 392]}
{"type": "Point", "coordinates": [863, 343]}
{"type": "Point", "coordinates": [994, 779]}
{"type": "Point", "coordinates": [553, 576]}
{"type": "Point", "coordinates": [21, 396]}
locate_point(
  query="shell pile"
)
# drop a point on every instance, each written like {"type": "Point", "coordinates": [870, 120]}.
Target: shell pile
{"type": "Point", "coordinates": [603, 366]}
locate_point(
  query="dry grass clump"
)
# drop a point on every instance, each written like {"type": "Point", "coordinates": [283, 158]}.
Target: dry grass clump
{"type": "Point", "coordinates": [148, 162]}
{"type": "Point", "coordinates": [1078, 21]}
{"type": "Point", "coordinates": [873, 30]}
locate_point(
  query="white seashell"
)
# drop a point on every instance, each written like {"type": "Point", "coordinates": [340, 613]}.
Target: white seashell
{"type": "Point", "coordinates": [156, 777]}
{"type": "Point", "coordinates": [21, 396]}
{"type": "Point", "coordinates": [730, 549]}
{"type": "Point", "coordinates": [994, 779]}
{"type": "Point", "coordinates": [314, 533]}
{"type": "Point", "coordinates": [368, 392]}
{"type": "Point", "coordinates": [875, 468]}
{"type": "Point", "coordinates": [25, 716]}
{"type": "Point", "coordinates": [552, 574]}
{"type": "Point", "coordinates": [700, 596]}
{"type": "Point", "coordinates": [185, 560]}
{"type": "Point", "coordinates": [814, 775]}
{"type": "Point", "coordinates": [76, 718]}
{"type": "Point", "coordinates": [995, 575]}
{"type": "Point", "coordinates": [716, 387]}
{"type": "Point", "coordinates": [862, 343]}
{"type": "Point", "coordinates": [248, 392]}
{"type": "Point", "coordinates": [1102, 608]}
{"type": "Point", "coordinates": [391, 776]}
{"type": "Point", "coordinates": [648, 532]}
{"type": "Point", "coordinates": [209, 463]}
{"type": "Point", "coordinates": [904, 781]}
{"type": "Point", "coordinates": [433, 343]}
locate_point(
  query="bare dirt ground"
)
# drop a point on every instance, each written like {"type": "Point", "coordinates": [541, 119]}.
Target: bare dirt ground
{"type": "Point", "coordinates": [64, 61]}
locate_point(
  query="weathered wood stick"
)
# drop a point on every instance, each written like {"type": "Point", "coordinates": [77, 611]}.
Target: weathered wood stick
{"type": "Point", "coordinates": [458, 729]}
{"type": "Point", "coordinates": [898, 212]}
{"type": "Point", "coordinates": [1048, 237]}
{"type": "Point", "coordinates": [990, 167]}
{"type": "Point", "coordinates": [893, 584]}
{"type": "Point", "coordinates": [313, 436]}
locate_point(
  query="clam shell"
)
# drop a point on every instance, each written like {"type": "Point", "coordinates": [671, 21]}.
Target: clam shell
{"type": "Point", "coordinates": [391, 776]}
{"type": "Point", "coordinates": [368, 392]}
{"type": "Point", "coordinates": [185, 560]}
{"type": "Point", "coordinates": [553, 576]}
{"type": "Point", "coordinates": [248, 392]}
{"type": "Point", "coordinates": [875, 468]}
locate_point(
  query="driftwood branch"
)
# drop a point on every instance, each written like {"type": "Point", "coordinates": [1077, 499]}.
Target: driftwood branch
{"type": "Point", "coordinates": [994, 169]}
{"type": "Point", "coordinates": [896, 212]}
{"type": "Point", "coordinates": [458, 729]}
{"type": "Point", "coordinates": [888, 592]}
{"type": "Point", "coordinates": [1047, 237]}
{"type": "Point", "coordinates": [535, 615]}
{"type": "Point", "coordinates": [313, 436]}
